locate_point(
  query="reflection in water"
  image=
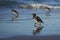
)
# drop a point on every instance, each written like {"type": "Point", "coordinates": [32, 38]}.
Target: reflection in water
{"type": "Point", "coordinates": [38, 29]}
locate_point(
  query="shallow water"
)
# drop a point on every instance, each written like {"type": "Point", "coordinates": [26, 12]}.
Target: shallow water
{"type": "Point", "coordinates": [25, 24]}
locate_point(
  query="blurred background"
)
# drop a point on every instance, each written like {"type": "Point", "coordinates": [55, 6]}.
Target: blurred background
{"type": "Point", "coordinates": [25, 24]}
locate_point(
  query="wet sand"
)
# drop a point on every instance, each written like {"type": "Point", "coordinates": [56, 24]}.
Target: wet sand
{"type": "Point", "coordinates": [51, 37]}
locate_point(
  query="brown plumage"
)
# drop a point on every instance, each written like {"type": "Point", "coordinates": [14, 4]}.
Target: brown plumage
{"type": "Point", "coordinates": [48, 8]}
{"type": "Point", "coordinates": [38, 19]}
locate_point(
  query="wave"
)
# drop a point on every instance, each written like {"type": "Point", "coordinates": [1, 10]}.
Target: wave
{"type": "Point", "coordinates": [28, 3]}
{"type": "Point", "coordinates": [38, 6]}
